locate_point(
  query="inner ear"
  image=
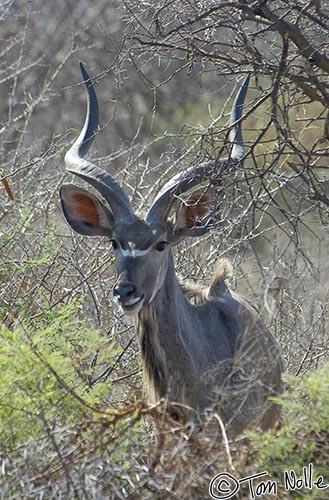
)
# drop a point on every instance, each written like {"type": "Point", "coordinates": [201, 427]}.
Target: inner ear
{"type": "Point", "coordinates": [197, 206]}
{"type": "Point", "coordinates": [84, 212]}
{"type": "Point", "coordinates": [191, 212]}
{"type": "Point", "coordinates": [85, 208]}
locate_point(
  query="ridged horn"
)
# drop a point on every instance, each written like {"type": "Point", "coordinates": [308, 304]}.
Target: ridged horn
{"type": "Point", "coordinates": [97, 177]}
{"type": "Point", "coordinates": [186, 180]}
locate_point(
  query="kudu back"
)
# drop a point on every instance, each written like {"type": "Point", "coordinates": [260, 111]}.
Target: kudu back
{"type": "Point", "coordinates": [202, 349]}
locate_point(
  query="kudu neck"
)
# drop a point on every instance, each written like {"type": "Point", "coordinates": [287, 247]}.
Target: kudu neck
{"type": "Point", "coordinates": [170, 299]}
{"type": "Point", "coordinates": [170, 294]}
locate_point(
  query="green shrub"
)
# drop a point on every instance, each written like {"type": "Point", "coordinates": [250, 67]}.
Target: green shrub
{"type": "Point", "coordinates": [45, 374]}
{"type": "Point", "coordinates": [302, 440]}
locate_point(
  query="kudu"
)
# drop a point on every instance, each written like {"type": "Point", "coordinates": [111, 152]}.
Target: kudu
{"type": "Point", "coordinates": [202, 349]}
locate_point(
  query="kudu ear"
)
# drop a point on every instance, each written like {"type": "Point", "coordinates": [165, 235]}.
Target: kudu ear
{"type": "Point", "coordinates": [192, 217]}
{"type": "Point", "coordinates": [84, 212]}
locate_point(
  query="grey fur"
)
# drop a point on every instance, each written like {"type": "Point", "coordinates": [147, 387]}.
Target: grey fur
{"type": "Point", "coordinates": [217, 354]}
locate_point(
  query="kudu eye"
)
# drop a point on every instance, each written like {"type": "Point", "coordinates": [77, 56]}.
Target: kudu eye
{"type": "Point", "coordinates": [115, 244]}
{"type": "Point", "coordinates": [160, 247]}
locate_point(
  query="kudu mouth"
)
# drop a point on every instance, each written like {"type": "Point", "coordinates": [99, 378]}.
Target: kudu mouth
{"type": "Point", "coordinates": [127, 298]}
{"type": "Point", "coordinates": [132, 306]}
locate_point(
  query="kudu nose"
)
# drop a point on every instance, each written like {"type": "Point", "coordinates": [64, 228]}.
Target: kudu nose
{"type": "Point", "coordinates": [123, 291]}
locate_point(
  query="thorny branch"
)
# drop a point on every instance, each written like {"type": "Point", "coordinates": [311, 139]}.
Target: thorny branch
{"type": "Point", "coordinates": [223, 35]}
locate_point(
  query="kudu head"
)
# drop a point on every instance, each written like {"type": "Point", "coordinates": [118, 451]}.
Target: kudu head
{"type": "Point", "coordinates": [141, 245]}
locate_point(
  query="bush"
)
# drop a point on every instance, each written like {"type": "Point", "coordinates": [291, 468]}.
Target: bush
{"type": "Point", "coordinates": [60, 440]}
{"type": "Point", "coordinates": [46, 375]}
{"type": "Point", "coordinates": [302, 444]}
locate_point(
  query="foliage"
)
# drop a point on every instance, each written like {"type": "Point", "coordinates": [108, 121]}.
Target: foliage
{"type": "Point", "coordinates": [303, 438]}
{"type": "Point", "coordinates": [46, 373]}
{"type": "Point", "coordinates": [101, 453]}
